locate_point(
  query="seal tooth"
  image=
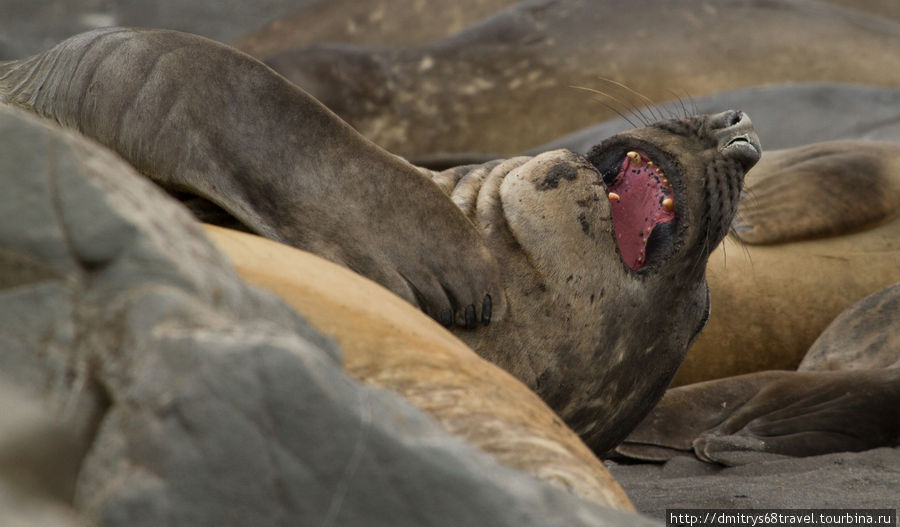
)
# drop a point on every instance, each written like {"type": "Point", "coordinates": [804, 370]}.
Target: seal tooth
{"type": "Point", "coordinates": [614, 197]}
{"type": "Point", "coordinates": [668, 204]}
{"type": "Point", "coordinates": [636, 159]}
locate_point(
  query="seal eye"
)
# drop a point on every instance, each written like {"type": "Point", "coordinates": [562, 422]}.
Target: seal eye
{"type": "Point", "coordinates": [643, 209]}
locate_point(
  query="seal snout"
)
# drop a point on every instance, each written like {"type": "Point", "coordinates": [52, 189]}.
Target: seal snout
{"type": "Point", "coordinates": [737, 139]}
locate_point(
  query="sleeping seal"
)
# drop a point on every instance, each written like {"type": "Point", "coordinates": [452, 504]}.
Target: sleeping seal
{"type": "Point", "coordinates": [603, 283]}
{"type": "Point", "coordinates": [505, 84]}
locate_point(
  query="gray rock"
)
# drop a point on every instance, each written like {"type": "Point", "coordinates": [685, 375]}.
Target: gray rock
{"type": "Point", "coordinates": [196, 400]}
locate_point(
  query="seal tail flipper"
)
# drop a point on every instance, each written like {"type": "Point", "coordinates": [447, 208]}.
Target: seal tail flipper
{"type": "Point", "coordinates": [811, 413]}
{"type": "Point", "coordinates": [822, 189]}
{"type": "Point", "coordinates": [686, 412]}
{"type": "Point", "coordinates": [786, 413]}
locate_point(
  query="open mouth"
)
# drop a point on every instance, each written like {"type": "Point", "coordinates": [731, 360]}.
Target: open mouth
{"type": "Point", "coordinates": [643, 208]}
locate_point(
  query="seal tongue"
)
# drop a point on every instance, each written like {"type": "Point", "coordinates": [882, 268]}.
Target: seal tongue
{"type": "Point", "coordinates": [641, 198]}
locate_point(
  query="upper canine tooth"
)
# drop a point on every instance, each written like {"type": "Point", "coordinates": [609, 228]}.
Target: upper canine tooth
{"type": "Point", "coordinates": [636, 159]}
{"type": "Point", "coordinates": [613, 196]}
{"type": "Point", "coordinates": [668, 204]}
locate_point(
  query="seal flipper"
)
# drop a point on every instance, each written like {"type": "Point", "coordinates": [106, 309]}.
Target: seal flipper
{"type": "Point", "coordinates": [200, 117]}
{"type": "Point", "coordinates": [810, 413]}
{"type": "Point", "coordinates": [775, 412]}
{"type": "Point", "coordinates": [686, 412]}
{"type": "Point", "coordinates": [822, 189]}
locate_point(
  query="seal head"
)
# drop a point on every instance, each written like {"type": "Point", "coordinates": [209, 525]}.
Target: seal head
{"type": "Point", "coordinates": [604, 263]}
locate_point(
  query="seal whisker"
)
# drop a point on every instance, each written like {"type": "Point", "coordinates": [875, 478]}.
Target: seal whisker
{"type": "Point", "coordinates": [598, 92]}
{"type": "Point", "coordinates": [650, 104]}
{"type": "Point", "coordinates": [632, 108]}
{"type": "Point", "coordinates": [623, 116]}
{"type": "Point", "coordinates": [684, 109]}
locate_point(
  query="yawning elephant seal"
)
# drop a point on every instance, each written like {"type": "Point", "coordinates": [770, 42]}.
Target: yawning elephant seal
{"type": "Point", "coordinates": [603, 284]}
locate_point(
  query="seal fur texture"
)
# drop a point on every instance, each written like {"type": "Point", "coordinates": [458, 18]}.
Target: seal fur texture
{"type": "Point", "coordinates": [596, 332]}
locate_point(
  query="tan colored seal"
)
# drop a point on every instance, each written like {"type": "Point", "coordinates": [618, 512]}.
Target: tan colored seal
{"type": "Point", "coordinates": [389, 344]}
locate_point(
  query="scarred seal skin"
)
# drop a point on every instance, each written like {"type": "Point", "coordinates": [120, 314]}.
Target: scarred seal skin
{"type": "Point", "coordinates": [603, 284]}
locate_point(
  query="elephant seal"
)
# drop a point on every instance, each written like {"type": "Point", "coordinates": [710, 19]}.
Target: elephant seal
{"type": "Point", "coordinates": [375, 22]}
{"type": "Point", "coordinates": [794, 259]}
{"type": "Point", "coordinates": [601, 253]}
{"type": "Point", "coordinates": [388, 344]}
{"type": "Point", "coordinates": [845, 396]}
{"type": "Point", "coordinates": [131, 91]}
{"type": "Point", "coordinates": [506, 84]}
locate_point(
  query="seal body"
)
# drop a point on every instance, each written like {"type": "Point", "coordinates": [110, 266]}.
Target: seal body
{"type": "Point", "coordinates": [602, 288]}
{"type": "Point", "coordinates": [506, 84]}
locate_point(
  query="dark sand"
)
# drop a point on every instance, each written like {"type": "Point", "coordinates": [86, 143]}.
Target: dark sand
{"type": "Point", "coordinates": [848, 480]}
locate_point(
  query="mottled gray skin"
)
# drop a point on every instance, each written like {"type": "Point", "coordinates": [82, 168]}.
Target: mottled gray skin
{"type": "Point", "coordinates": [845, 396]}
{"type": "Point", "coordinates": [196, 115]}
{"type": "Point", "coordinates": [597, 340]}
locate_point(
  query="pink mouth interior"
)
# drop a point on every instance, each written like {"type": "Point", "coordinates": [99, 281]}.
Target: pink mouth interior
{"type": "Point", "coordinates": [639, 209]}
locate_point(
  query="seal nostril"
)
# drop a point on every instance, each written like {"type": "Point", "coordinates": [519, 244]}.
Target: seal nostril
{"type": "Point", "coordinates": [735, 118]}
